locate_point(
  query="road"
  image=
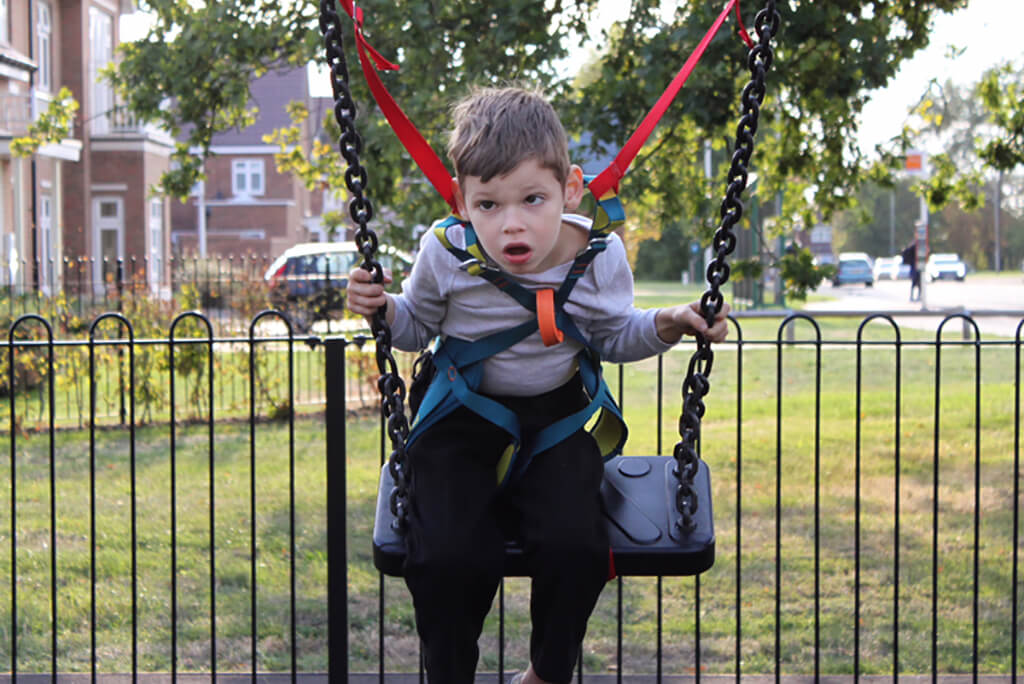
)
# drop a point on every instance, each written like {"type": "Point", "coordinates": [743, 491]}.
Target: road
{"type": "Point", "coordinates": [976, 294]}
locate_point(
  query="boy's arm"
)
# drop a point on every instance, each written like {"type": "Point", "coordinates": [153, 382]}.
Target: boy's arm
{"type": "Point", "coordinates": [623, 333]}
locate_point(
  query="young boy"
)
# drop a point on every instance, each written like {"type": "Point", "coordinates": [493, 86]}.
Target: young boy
{"type": "Point", "coordinates": [513, 184]}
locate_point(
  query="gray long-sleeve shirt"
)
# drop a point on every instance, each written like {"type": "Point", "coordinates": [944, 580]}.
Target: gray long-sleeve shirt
{"type": "Point", "coordinates": [441, 298]}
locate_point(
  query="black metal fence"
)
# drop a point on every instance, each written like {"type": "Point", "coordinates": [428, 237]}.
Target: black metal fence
{"type": "Point", "coordinates": [865, 480]}
{"type": "Point", "coordinates": [229, 289]}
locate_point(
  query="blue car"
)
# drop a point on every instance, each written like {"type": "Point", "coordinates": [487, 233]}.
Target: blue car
{"type": "Point", "coordinates": [854, 268]}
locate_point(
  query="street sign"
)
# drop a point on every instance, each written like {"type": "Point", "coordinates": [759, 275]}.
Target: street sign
{"type": "Point", "coordinates": [916, 162]}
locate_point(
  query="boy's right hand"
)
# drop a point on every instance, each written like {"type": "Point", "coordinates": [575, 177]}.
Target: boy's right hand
{"type": "Point", "coordinates": [366, 297]}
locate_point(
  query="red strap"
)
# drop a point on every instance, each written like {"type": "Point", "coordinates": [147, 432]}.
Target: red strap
{"type": "Point", "coordinates": [743, 29]}
{"type": "Point", "coordinates": [610, 177]}
{"type": "Point", "coordinates": [420, 150]}
{"type": "Point", "coordinates": [611, 565]}
{"type": "Point", "coordinates": [549, 332]}
{"type": "Point", "coordinates": [435, 170]}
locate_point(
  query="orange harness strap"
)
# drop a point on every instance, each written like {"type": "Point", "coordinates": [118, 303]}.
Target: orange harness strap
{"type": "Point", "coordinates": [549, 332]}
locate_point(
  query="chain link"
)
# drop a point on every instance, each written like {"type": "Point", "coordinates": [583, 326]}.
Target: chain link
{"type": "Point", "coordinates": [697, 385]}
{"type": "Point", "coordinates": [350, 145]}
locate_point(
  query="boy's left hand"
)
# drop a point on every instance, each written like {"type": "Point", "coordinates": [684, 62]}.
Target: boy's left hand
{"type": "Point", "coordinates": [686, 319]}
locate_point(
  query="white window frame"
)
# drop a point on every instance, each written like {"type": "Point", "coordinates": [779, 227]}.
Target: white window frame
{"type": "Point", "coordinates": [156, 244]}
{"type": "Point", "coordinates": [5, 31]}
{"type": "Point", "coordinates": [101, 53]}
{"type": "Point", "coordinates": [248, 177]}
{"type": "Point", "coordinates": [44, 43]}
{"type": "Point", "coordinates": [99, 223]}
{"type": "Point", "coordinates": [46, 243]}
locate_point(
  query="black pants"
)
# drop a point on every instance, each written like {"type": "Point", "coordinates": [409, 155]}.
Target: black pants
{"type": "Point", "coordinates": [915, 284]}
{"type": "Point", "coordinates": [458, 525]}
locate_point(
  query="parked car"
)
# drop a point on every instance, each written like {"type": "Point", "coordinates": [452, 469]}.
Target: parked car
{"type": "Point", "coordinates": [887, 268]}
{"type": "Point", "coordinates": [305, 269]}
{"type": "Point", "coordinates": [945, 266]}
{"type": "Point", "coordinates": [891, 268]}
{"type": "Point", "coordinates": [308, 280]}
{"type": "Point", "coordinates": [854, 267]}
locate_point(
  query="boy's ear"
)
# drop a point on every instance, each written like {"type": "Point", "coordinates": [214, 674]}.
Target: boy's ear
{"type": "Point", "coordinates": [574, 187]}
{"type": "Point", "coordinates": [460, 200]}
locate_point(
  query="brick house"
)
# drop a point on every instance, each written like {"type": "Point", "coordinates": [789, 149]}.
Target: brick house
{"type": "Point", "coordinates": [83, 203]}
{"type": "Point", "coordinates": [244, 206]}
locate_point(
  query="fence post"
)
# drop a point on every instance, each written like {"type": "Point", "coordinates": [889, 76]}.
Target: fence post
{"type": "Point", "coordinates": [337, 557]}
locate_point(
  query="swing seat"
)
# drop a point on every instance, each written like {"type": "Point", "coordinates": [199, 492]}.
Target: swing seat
{"type": "Point", "coordinates": [638, 493]}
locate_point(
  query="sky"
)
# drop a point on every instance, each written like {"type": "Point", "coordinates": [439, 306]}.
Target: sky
{"type": "Point", "coordinates": [988, 32]}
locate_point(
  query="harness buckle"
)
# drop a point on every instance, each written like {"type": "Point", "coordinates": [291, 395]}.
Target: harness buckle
{"type": "Point", "coordinates": [473, 266]}
{"type": "Point", "coordinates": [549, 332]}
{"type": "Point", "coordinates": [595, 244]}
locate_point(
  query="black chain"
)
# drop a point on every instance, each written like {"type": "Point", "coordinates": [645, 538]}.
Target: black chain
{"type": "Point", "coordinates": [390, 384]}
{"type": "Point", "coordinates": [696, 385]}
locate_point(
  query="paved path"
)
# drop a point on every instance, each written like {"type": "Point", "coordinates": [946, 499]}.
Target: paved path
{"type": "Point", "coordinates": [995, 302]}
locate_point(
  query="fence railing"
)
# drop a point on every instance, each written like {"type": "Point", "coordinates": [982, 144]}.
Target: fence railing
{"type": "Point", "coordinates": [865, 490]}
{"type": "Point", "coordinates": [230, 290]}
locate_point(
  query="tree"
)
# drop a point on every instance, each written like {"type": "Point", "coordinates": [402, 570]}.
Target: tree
{"type": "Point", "coordinates": [981, 129]}
{"type": "Point", "coordinates": [191, 73]}
{"type": "Point", "coordinates": [216, 49]}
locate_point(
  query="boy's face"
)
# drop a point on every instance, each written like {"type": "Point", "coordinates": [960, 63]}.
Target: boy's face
{"type": "Point", "coordinates": [518, 216]}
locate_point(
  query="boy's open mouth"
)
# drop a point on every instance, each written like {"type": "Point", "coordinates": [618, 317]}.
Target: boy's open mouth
{"type": "Point", "coordinates": [517, 253]}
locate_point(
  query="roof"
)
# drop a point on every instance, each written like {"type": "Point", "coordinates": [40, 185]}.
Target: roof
{"type": "Point", "coordinates": [271, 93]}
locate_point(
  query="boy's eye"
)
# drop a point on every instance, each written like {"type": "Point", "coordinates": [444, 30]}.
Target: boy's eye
{"type": "Point", "coordinates": [534, 199]}
{"type": "Point", "coordinates": [485, 205]}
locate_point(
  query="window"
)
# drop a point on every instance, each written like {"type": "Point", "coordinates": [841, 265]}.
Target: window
{"type": "Point", "coordinates": [5, 34]}
{"type": "Point", "coordinates": [101, 53]}
{"type": "Point", "coordinates": [247, 177]}
{"type": "Point", "coordinates": [44, 41]}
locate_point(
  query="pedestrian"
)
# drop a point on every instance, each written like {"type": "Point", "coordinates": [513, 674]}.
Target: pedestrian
{"type": "Point", "coordinates": [909, 256]}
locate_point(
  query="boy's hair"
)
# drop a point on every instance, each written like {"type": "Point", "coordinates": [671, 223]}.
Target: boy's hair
{"type": "Point", "coordinates": [495, 129]}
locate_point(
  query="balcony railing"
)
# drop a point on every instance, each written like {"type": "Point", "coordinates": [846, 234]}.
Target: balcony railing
{"type": "Point", "coordinates": [119, 120]}
{"type": "Point", "coordinates": [15, 113]}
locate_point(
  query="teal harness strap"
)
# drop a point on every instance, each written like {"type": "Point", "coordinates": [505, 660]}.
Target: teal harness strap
{"type": "Point", "coordinates": [608, 216]}
{"type": "Point", "coordinates": [609, 428]}
{"type": "Point", "coordinates": [474, 261]}
{"type": "Point", "coordinates": [459, 363]}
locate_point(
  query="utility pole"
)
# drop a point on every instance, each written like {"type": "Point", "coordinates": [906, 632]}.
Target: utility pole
{"type": "Point", "coordinates": [916, 164]}
{"type": "Point", "coordinates": [201, 219]}
{"type": "Point", "coordinates": [998, 207]}
{"type": "Point", "coordinates": [892, 220]}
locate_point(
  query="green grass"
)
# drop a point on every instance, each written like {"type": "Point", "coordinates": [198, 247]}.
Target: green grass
{"type": "Point", "coordinates": [152, 389]}
{"type": "Point", "coordinates": [824, 429]}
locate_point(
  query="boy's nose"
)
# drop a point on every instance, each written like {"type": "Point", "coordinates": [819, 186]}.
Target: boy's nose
{"type": "Point", "coordinates": [512, 222]}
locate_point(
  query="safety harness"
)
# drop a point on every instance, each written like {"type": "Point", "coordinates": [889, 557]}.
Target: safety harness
{"type": "Point", "coordinates": [459, 363]}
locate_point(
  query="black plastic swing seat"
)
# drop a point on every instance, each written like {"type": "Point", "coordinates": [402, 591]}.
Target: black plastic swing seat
{"type": "Point", "coordinates": [639, 500]}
